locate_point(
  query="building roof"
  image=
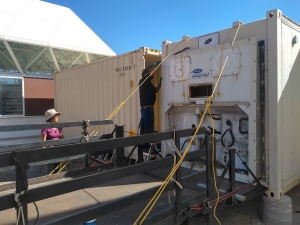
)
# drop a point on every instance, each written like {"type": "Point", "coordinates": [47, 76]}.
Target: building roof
{"type": "Point", "coordinates": [43, 23]}
{"type": "Point", "coordinates": [37, 31]}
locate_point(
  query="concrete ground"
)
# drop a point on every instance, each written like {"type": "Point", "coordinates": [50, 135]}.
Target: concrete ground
{"type": "Point", "coordinates": [246, 214]}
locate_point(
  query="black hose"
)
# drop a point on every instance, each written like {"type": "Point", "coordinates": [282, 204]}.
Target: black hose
{"type": "Point", "coordinates": [184, 144]}
{"type": "Point", "coordinates": [211, 131]}
{"type": "Point", "coordinates": [181, 50]}
{"type": "Point", "coordinates": [228, 122]}
{"type": "Point", "coordinates": [215, 118]}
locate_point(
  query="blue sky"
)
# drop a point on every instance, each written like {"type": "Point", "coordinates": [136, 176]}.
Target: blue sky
{"type": "Point", "coordinates": [126, 25]}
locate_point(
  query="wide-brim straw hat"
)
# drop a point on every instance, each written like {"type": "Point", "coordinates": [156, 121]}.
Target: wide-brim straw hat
{"type": "Point", "coordinates": [51, 113]}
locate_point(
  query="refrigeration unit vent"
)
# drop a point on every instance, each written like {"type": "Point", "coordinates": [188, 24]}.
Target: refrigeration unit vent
{"type": "Point", "coordinates": [180, 69]}
{"type": "Point", "coordinates": [200, 91]}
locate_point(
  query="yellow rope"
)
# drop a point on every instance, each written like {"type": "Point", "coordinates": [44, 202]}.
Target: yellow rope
{"type": "Point", "coordinates": [154, 199]}
{"type": "Point", "coordinates": [97, 128]}
{"type": "Point", "coordinates": [213, 165]}
{"type": "Point", "coordinates": [63, 167]}
{"type": "Point", "coordinates": [167, 180]}
{"type": "Point", "coordinates": [213, 147]}
{"type": "Point", "coordinates": [56, 168]}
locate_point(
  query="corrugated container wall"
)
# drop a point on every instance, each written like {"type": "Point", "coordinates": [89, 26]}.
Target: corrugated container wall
{"type": "Point", "coordinates": [93, 91]}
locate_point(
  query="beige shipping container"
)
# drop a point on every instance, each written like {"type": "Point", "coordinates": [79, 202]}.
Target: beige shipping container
{"type": "Point", "coordinates": [93, 91]}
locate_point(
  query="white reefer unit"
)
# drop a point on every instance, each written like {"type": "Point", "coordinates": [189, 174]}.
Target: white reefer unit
{"type": "Point", "coordinates": [256, 104]}
{"type": "Point", "coordinates": [93, 91]}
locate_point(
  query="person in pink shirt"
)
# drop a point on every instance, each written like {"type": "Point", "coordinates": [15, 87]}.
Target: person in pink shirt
{"type": "Point", "coordinates": [52, 134]}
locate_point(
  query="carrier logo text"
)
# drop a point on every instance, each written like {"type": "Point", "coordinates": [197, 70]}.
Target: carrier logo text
{"type": "Point", "coordinates": [197, 73]}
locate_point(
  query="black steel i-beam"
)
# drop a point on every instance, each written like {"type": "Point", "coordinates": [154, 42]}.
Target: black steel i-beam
{"type": "Point", "coordinates": [210, 189]}
{"type": "Point", "coordinates": [120, 151]}
{"type": "Point", "coordinates": [42, 144]}
{"type": "Point", "coordinates": [178, 178]}
{"type": "Point", "coordinates": [41, 154]}
{"type": "Point", "coordinates": [50, 125]}
{"type": "Point", "coordinates": [36, 155]}
{"type": "Point", "coordinates": [109, 207]}
{"type": "Point", "coordinates": [232, 174]}
{"type": "Point", "coordinates": [63, 187]}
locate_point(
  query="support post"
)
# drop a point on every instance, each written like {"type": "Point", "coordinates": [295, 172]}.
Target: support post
{"type": "Point", "coordinates": [231, 153]}
{"type": "Point", "coordinates": [210, 189]}
{"type": "Point", "coordinates": [120, 151]}
{"type": "Point", "coordinates": [178, 178]}
{"type": "Point", "coordinates": [140, 154]}
{"type": "Point", "coordinates": [21, 197]}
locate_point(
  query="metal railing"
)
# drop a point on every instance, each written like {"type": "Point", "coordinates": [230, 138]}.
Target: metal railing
{"type": "Point", "coordinates": [33, 152]}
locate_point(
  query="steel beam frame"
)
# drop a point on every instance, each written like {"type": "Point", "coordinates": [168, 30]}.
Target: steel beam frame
{"type": "Point", "coordinates": [87, 57]}
{"type": "Point", "coordinates": [13, 56]}
{"type": "Point", "coordinates": [64, 187]}
{"type": "Point", "coordinates": [210, 189]}
{"type": "Point", "coordinates": [43, 192]}
{"type": "Point", "coordinates": [41, 144]}
{"type": "Point", "coordinates": [42, 154]}
{"type": "Point", "coordinates": [75, 60]}
{"type": "Point", "coordinates": [50, 125]}
{"type": "Point", "coordinates": [104, 209]}
{"type": "Point", "coordinates": [54, 59]}
{"type": "Point", "coordinates": [32, 61]}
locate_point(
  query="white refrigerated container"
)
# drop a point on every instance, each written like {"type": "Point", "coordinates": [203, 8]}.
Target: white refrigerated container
{"type": "Point", "coordinates": [258, 93]}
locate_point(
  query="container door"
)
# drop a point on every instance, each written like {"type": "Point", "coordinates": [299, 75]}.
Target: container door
{"type": "Point", "coordinates": [235, 101]}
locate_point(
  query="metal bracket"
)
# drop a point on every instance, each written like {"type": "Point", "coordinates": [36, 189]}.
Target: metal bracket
{"type": "Point", "coordinates": [205, 204]}
{"type": "Point", "coordinates": [86, 127]}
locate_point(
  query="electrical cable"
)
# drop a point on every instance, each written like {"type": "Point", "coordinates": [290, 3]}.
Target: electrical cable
{"type": "Point", "coordinates": [199, 207]}
{"type": "Point", "coordinates": [23, 201]}
{"type": "Point", "coordinates": [37, 210]}
{"type": "Point", "coordinates": [213, 166]}
{"type": "Point", "coordinates": [183, 144]}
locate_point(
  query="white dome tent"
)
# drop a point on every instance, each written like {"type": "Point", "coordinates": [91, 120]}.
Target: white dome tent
{"type": "Point", "coordinates": [38, 38]}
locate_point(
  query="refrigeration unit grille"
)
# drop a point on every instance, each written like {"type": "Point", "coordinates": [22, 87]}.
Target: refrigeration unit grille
{"type": "Point", "coordinates": [200, 91]}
